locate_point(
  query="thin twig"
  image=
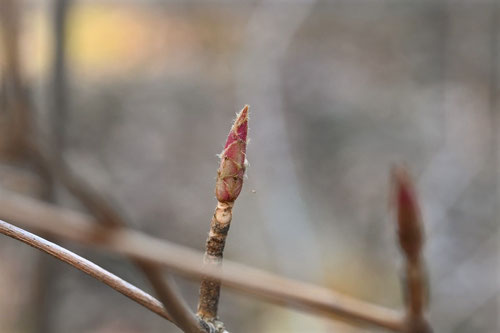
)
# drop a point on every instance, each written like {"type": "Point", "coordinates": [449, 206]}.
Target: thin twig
{"type": "Point", "coordinates": [104, 213]}
{"type": "Point", "coordinates": [87, 267]}
{"type": "Point", "coordinates": [75, 226]}
{"type": "Point", "coordinates": [210, 288]}
{"type": "Point", "coordinates": [172, 300]}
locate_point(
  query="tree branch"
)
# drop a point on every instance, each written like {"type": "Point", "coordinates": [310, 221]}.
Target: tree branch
{"type": "Point", "coordinates": [105, 214]}
{"type": "Point", "coordinates": [172, 300]}
{"type": "Point", "coordinates": [87, 267]}
{"type": "Point", "coordinates": [71, 225]}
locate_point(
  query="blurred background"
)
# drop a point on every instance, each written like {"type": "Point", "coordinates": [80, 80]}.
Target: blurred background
{"type": "Point", "coordinates": [138, 97]}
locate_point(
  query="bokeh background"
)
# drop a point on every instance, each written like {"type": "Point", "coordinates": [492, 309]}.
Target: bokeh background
{"type": "Point", "coordinates": [138, 97]}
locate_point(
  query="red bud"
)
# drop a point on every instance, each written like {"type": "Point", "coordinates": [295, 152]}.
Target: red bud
{"type": "Point", "coordinates": [232, 166]}
{"type": "Point", "coordinates": [408, 214]}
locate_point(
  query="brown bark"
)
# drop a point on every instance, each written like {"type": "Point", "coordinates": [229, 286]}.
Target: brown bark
{"type": "Point", "coordinates": [216, 241]}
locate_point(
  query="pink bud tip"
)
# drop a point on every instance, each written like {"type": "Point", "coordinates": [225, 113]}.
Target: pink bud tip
{"type": "Point", "coordinates": [408, 213]}
{"type": "Point", "coordinates": [232, 166]}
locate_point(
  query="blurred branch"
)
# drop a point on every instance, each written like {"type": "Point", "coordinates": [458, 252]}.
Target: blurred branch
{"type": "Point", "coordinates": [9, 19]}
{"type": "Point", "coordinates": [59, 79]}
{"type": "Point", "coordinates": [87, 267]}
{"type": "Point", "coordinates": [105, 214]}
{"type": "Point", "coordinates": [172, 299]}
{"type": "Point", "coordinates": [411, 241]}
{"type": "Point", "coordinates": [75, 226]}
{"type": "Point", "coordinates": [17, 114]}
{"type": "Point", "coordinates": [99, 273]}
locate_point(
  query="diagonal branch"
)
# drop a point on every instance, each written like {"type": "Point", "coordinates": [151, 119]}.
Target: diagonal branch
{"type": "Point", "coordinates": [87, 267]}
{"type": "Point", "coordinates": [75, 226]}
{"type": "Point", "coordinates": [105, 214]}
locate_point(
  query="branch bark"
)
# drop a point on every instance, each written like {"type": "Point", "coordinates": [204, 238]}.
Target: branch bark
{"type": "Point", "coordinates": [86, 266]}
{"type": "Point", "coordinates": [75, 226]}
{"type": "Point", "coordinates": [172, 300]}
{"type": "Point", "coordinates": [210, 288]}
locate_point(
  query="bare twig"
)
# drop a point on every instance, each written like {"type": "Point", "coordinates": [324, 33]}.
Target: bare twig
{"type": "Point", "coordinates": [75, 226]}
{"type": "Point", "coordinates": [228, 187]}
{"type": "Point", "coordinates": [165, 290]}
{"type": "Point", "coordinates": [104, 213]}
{"type": "Point", "coordinates": [172, 300]}
{"type": "Point", "coordinates": [411, 241]}
{"type": "Point", "coordinates": [87, 267]}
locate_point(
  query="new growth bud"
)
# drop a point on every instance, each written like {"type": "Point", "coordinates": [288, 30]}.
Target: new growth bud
{"type": "Point", "coordinates": [227, 188]}
{"type": "Point", "coordinates": [232, 165]}
{"type": "Point", "coordinates": [408, 214]}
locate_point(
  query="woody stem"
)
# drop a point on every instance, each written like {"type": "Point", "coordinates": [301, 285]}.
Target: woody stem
{"type": "Point", "coordinates": [210, 288]}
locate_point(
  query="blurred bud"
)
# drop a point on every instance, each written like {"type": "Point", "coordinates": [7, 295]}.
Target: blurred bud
{"type": "Point", "coordinates": [410, 230]}
{"type": "Point", "coordinates": [232, 165]}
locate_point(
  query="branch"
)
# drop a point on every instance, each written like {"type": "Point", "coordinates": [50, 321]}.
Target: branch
{"type": "Point", "coordinates": [105, 214]}
{"type": "Point", "coordinates": [228, 186]}
{"type": "Point", "coordinates": [411, 242]}
{"type": "Point", "coordinates": [87, 267]}
{"type": "Point", "coordinates": [75, 226]}
{"type": "Point", "coordinates": [172, 300]}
